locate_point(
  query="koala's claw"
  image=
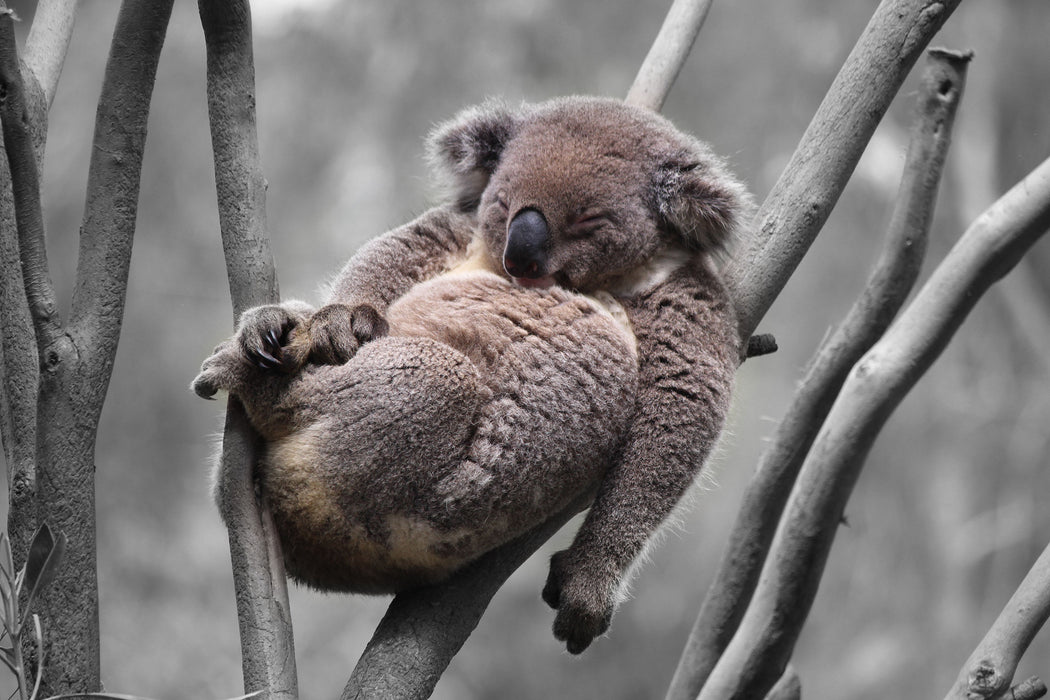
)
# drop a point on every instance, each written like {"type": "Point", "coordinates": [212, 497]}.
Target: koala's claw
{"type": "Point", "coordinates": [266, 356]}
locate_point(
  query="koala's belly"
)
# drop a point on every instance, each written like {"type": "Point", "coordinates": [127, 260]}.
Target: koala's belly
{"type": "Point", "coordinates": [502, 327]}
{"type": "Point", "coordinates": [422, 458]}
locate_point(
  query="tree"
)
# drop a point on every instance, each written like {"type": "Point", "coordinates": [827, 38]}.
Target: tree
{"type": "Point", "coordinates": [55, 375]}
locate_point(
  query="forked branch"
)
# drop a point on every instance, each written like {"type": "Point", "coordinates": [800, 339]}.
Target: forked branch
{"type": "Point", "coordinates": [890, 283]}
{"type": "Point", "coordinates": [75, 360]}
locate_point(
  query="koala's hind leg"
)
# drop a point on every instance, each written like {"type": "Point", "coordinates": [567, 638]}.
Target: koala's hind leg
{"type": "Point", "coordinates": [352, 489]}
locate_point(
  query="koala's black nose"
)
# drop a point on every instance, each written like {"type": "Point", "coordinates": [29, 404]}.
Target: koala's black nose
{"type": "Point", "coordinates": [527, 241]}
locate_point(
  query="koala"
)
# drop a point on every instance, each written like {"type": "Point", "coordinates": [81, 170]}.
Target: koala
{"type": "Point", "coordinates": [556, 329]}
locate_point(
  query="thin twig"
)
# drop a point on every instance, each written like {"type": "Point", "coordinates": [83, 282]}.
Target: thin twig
{"type": "Point", "coordinates": [991, 667]}
{"type": "Point", "coordinates": [668, 53]}
{"type": "Point", "coordinates": [890, 283]}
{"type": "Point", "coordinates": [267, 644]}
{"type": "Point", "coordinates": [48, 40]}
{"type": "Point", "coordinates": [800, 202]}
{"type": "Point", "coordinates": [991, 246]}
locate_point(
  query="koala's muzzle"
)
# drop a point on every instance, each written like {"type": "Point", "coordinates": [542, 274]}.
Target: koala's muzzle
{"type": "Point", "coordinates": [528, 238]}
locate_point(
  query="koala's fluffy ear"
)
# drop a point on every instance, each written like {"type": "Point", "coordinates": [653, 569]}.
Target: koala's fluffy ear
{"type": "Point", "coordinates": [465, 150]}
{"type": "Point", "coordinates": [697, 198]}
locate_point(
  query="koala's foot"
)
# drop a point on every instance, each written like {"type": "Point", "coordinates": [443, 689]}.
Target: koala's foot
{"type": "Point", "coordinates": [223, 369]}
{"type": "Point", "coordinates": [334, 334]}
{"type": "Point", "coordinates": [585, 602]}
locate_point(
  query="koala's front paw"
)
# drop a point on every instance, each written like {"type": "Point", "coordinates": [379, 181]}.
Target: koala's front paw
{"type": "Point", "coordinates": [585, 603]}
{"type": "Point", "coordinates": [333, 335]}
{"type": "Point", "coordinates": [264, 332]}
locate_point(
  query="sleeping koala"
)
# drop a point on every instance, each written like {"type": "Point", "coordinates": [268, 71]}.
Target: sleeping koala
{"type": "Point", "coordinates": [557, 329]}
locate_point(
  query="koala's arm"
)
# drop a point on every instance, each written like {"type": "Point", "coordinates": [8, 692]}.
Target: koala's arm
{"type": "Point", "coordinates": [288, 335]}
{"type": "Point", "coordinates": [687, 345]}
{"type": "Point", "coordinates": [388, 266]}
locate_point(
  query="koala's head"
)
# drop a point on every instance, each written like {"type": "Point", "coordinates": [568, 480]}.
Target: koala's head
{"type": "Point", "coordinates": [580, 191]}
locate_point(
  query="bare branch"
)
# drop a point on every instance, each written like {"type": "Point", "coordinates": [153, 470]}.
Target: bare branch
{"type": "Point", "coordinates": [267, 644]}
{"type": "Point", "coordinates": [890, 283]}
{"type": "Point", "coordinates": [238, 174]}
{"type": "Point", "coordinates": [48, 40]}
{"type": "Point", "coordinates": [25, 181]}
{"type": "Point", "coordinates": [668, 53]}
{"type": "Point", "coordinates": [263, 612]}
{"type": "Point", "coordinates": [991, 667]}
{"type": "Point", "coordinates": [20, 362]}
{"type": "Point", "coordinates": [111, 207]}
{"type": "Point", "coordinates": [789, 687]}
{"type": "Point", "coordinates": [800, 202]}
{"type": "Point", "coordinates": [991, 246]}
{"type": "Point", "coordinates": [424, 629]}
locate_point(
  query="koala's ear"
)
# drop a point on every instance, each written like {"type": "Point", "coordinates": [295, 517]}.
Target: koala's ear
{"type": "Point", "coordinates": [698, 199]}
{"type": "Point", "coordinates": [465, 150]}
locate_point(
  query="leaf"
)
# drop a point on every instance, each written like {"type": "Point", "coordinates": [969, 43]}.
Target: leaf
{"type": "Point", "coordinates": [45, 556]}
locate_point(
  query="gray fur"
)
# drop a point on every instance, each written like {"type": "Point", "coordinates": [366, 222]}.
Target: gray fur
{"type": "Point", "coordinates": [434, 409]}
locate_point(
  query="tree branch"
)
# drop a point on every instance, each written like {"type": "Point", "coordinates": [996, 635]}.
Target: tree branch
{"type": "Point", "coordinates": [762, 646]}
{"type": "Point", "coordinates": [991, 667]}
{"type": "Point", "coordinates": [48, 40]}
{"type": "Point", "coordinates": [18, 344]}
{"type": "Point", "coordinates": [111, 207]}
{"type": "Point", "coordinates": [424, 629]}
{"type": "Point", "coordinates": [800, 202]}
{"type": "Point", "coordinates": [267, 644]}
{"type": "Point", "coordinates": [668, 53]}
{"type": "Point", "coordinates": [25, 181]}
{"type": "Point", "coordinates": [239, 182]}
{"type": "Point", "coordinates": [890, 283]}
{"type": "Point", "coordinates": [789, 687]}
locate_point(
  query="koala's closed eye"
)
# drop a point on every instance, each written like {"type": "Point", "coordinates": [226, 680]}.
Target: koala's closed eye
{"type": "Point", "coordinates": [590, 220]}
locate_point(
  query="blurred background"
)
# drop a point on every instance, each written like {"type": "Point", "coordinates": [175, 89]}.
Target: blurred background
{"type": "Point", "coordinates": [946, 518]}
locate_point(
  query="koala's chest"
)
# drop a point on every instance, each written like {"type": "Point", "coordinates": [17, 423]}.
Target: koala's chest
{"type": "Point", "coordinates": [500, 325]}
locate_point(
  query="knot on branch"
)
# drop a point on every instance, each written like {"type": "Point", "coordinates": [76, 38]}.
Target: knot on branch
{"type": "Point", "coordinates": [762, 344]}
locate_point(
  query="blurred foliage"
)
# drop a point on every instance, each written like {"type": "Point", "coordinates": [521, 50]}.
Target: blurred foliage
{"type": "Point", "coordinates": [943, 524]}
